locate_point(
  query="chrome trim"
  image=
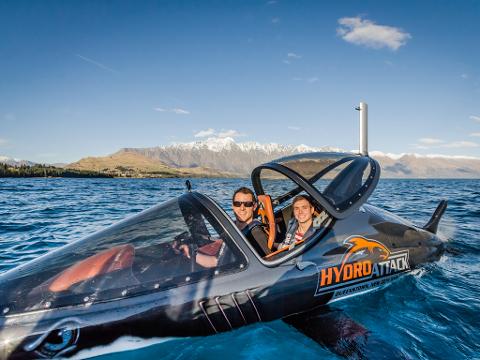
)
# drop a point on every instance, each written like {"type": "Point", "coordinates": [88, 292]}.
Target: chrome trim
{"type": "Point", "coordinates": [238, 308]}
{"type": "Point", "coordinates": [223, 312]}
{"type": "Point", "coordinates": [251, 300]}
{"type": "Point", "coordinates": [200, 304]}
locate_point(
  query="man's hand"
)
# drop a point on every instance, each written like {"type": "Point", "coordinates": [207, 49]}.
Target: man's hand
{"type": "Point", "coordinates": [185, 250]}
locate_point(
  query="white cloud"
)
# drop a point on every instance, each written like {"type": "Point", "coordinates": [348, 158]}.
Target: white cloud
{"type": "Point", "coordinates": [364, 32]}
{"type": "Point", "coordinates": [294, 56]}
{"type": "Point", "coordinates": [294, 128]}
{"type": "Point", "coordinates": [96, 63]}
{"type": "Point", "coordinates": [464, 76]}
{"type": "Point", "coordinates": [310, 80]}
{"type": "Point", "coordinates": [430, 141]}
{"type": "Point", "coordinates": [180, 111]}
{"type": "Point", "coordinates": [291, 57]}
{"type": "Point", "coordinates": [205, 133]}
{"type": "Point", "coordinates": [275, 20]}
{"type": "Point", "coordinates": [177, 111]}
{"type": "Point", "coordinates": [428, 156]}
{"type": "Point", "coordinates": [475, 118]}
{"type": "Point", "coordinates": [218, 134]}
{"type": "Point", "coordinates": [229, 133]}
{"type": "Point", "coordinates": [475, 134]}
{"type": "Point", "coordinates": [271, 2]}
{"type": "Point", "coordinates": [460, 144]}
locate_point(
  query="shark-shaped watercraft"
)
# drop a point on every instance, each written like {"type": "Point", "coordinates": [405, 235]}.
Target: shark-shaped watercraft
{"type": "Point", "coordinates": [130, 279]}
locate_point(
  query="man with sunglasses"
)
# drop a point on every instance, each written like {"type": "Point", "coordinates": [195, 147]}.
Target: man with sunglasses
{"type": "Point", "coordinates": [244, 207]}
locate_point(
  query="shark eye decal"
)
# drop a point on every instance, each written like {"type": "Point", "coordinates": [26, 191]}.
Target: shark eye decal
{"type": "Point", "coordinates": [59, 340]}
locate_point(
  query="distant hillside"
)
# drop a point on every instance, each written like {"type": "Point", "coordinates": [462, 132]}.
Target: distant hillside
{"type": "Point", "coordinates": [240, 158]}
{"type": "Point", "coordinates": [222, 154]}
{"type": "Point", "coordinates": [223, 157]}
{"type": "Point", "coordinates": [132, 164]}
{"type": "Point", "coordinates": [15, 162]}
{"type": "Point", "coordinates": [412, 166]}
{"type": "Point", "coordinates": [38, 170]}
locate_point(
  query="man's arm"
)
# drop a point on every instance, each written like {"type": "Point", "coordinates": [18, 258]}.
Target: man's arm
{"type": "Point", "coordinates": [207, 261]}
{"type": "Point", "coordinates": [259, 239]}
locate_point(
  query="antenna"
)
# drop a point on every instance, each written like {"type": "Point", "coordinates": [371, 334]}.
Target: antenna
{"type": "Point", "coordinates": [363, 108]}
{"type": "Point", "coordinates": [188, 184]}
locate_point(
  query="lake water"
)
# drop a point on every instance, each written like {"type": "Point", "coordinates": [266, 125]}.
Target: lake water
{"type": "Point", "coordinates": [434, 314]}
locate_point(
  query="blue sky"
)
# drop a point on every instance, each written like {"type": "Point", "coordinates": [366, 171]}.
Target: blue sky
{"type": "Point", "coordinates": [86, 78]}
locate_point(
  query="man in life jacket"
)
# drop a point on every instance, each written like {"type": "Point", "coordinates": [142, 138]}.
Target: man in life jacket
{"type": "Point", "coordinates": [300, 227]}
{"type": "Point", "coordinates": [244, 206]}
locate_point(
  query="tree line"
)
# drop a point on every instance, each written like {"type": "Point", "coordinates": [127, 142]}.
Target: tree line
{"type": "Point", "coordinates": [39, 170]}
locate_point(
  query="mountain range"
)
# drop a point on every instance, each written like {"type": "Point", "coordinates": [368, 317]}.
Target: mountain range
{"type": "Point", "coordinates": [134, 164]}
{"type": "Point", "coordinates": [223, 157]}
{"type": "Point", "coordinates": [15, 162]}
{"type": "Point", "coordinates": [222, 154]}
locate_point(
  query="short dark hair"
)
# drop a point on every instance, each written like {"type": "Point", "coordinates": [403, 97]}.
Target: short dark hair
{"type": "Point", "coordinates": [302, 197]}
{"type": "Point", "coordinates": [244, 190]}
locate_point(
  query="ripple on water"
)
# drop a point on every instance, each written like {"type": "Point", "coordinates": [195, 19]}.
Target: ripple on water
{"type": "Point", "coordinates": [431, 315]}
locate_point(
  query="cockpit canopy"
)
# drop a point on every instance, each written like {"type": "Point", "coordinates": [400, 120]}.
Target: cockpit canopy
{"type": "Point", "coordinates": [144, 253]}
{"type": "Point", "coordinates": [338, 182]}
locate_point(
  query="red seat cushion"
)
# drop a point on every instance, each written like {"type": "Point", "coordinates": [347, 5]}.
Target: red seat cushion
{"type": "Point", "coordinates": [211, 249]}
{"type": "Point", "coordinates": [116, 258]}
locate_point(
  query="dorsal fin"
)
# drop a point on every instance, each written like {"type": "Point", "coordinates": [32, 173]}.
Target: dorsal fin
{"type": "Point", "coordinates": [432, 224]}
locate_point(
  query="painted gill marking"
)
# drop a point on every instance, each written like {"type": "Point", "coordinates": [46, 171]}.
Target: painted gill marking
{"type": "Point", "coordinates": [200, 304]}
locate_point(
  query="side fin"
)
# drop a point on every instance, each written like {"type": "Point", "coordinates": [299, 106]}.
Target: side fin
{"type": "Point", "coordinates": [340, 334]}
{"type": "Point", "coordinates": [432, 224]}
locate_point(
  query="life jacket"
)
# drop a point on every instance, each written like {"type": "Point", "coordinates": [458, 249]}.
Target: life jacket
{"type": "Point", "coordinates": [247, 229]}
{"type": "Point", "coordinates": [256, 235]}
{"type": "Point", "coordinates": [292, 229]}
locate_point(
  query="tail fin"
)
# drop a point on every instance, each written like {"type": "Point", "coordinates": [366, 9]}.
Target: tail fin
{"type": "Point", "coordinates": [432, 224]}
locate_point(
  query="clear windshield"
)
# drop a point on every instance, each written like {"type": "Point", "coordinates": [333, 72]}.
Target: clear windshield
{"type": "Point", "coordinates": [349, 183]}
{"type": "Point", "coordinates": [168, 245]}
{"type": "Point", "coordinates": [276, 184]}
{"type": "Point", "coordinates": [309, 165]}
{"type": "Point", "coordinates": [341, 179]}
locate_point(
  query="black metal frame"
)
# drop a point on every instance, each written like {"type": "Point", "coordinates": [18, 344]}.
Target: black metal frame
{"type": "Point", "coordinates": [338, 212]}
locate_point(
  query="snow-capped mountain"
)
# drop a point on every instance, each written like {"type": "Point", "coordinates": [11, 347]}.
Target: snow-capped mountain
{"type": "Point", "coordinates": [15, 162]}
{"type": "Point", "coordinates": [225, 157]}
{"type": "Point", "coordinates": [223, 154]}
{"type": "Point", "coordinates": [416, 166]}
{"type": "Point", "coordinates": [226, 144]}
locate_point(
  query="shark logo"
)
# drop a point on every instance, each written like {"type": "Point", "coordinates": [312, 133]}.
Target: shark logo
{"type": "Point", "coordinates": [364, 259]}
{"type": "Point", "coordinates": [360, 244]}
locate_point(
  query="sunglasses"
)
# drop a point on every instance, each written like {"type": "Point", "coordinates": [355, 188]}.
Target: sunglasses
{"type": "Point", "coordinates": [247, 204]}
